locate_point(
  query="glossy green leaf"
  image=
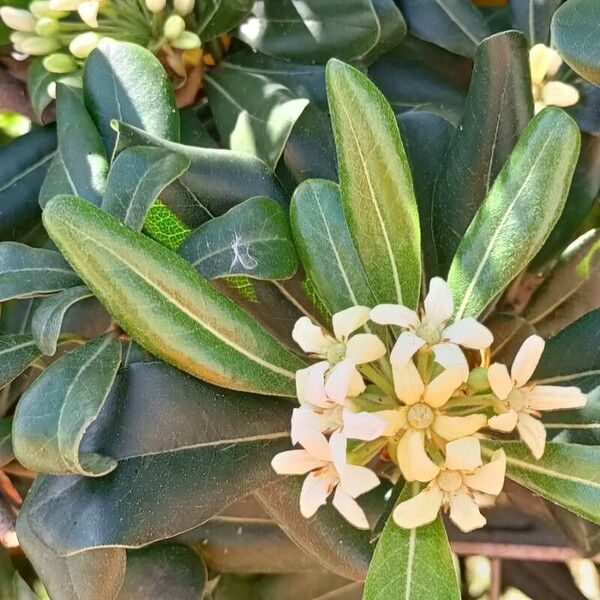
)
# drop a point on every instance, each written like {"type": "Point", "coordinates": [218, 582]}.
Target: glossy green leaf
{"type": "Point", "coordinates": [162, 302]}
{"type": "Point", "coordinates": [137, 177]}
{"type": "Point", "coordinates": [519, 212]}
{"type": "Point", "coordinates": [412, 564]}
{"type": "Point", "coordinates": [573, 358]}
{"type": "Point", "coordinates": [376, 185]}
{"type": "Point", "coordinates": [452, 24]}
{"type": "Point", "coordinates": [325, 246]}
{"type": "Point", "coordinates": [327, 536]}
{"type": "Point", "coordinates": [216, 181]}
{"type": "Point", "coordinates": [498, 107]}
{"type": "Point", "coordinates": [38, 80]}
{"type": "Point", "coordinates": [26, 271]}
{"type": "Point", "coordinates": [392, 27]}
{"type": "Point", "coordinates": [12, 585]}
{"type": "Point", "coordinates": [6, 452]}
{"type": "Point", "coordinates": [17, 352]}
{"type": "Point", "coordinates": [575, 27]}
{"type": "Point", "coordinates": [165, 227]}
{"type": "Point", "coordinates": [252, 113]}
{"type": "Point", "coordinates": [311, 31]}
{"type": "Point", "coordinates": [533, 18]}
{"type": "Point", "coordinates": [252, 239]}
{"type": "Point", "coordinates": [48, 316]}
{"type": "Point", "coordinates": [216, 17]}
{"type": "Point", "coordinates": [126, 82]}
{"type": "Point", "coordinates": [193, 130]}
{"type": "Point", "coordinates": [55, 412]}
{"type": "Point", "coordinates": [567, 474]}
{"type": "Point", "coordinates": [204, 437]}
{"type": "Point", "coordinates": [587, 111]}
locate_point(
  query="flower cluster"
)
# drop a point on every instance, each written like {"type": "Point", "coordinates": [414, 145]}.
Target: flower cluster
{"type": "Point", "coordinates": [422, 406]}
{"type": "Point", "coordinates": [544, 62]}
{"type": "Point", "coordinates": [64, 32]}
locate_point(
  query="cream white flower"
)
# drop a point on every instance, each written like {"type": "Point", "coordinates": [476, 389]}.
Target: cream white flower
{"type": "Point", "coordinates": [544, 62]}
{"type": "Point", "coordinates": [432, 330]}
{"type": "Point", "coordinates": [18, 19]}
{"type": "Point", "coordinates": [325, 463]}
{"type": "Point", "coordinates": [423, 416]}
{"type": "Point", "coordinates": [88, 12]}
{"type": "Point", "coordinates": [456, 486]}
{"type": "Point", "coordinates": [520, 401]}
{"type": "Point", "coordinates": [342, 353]}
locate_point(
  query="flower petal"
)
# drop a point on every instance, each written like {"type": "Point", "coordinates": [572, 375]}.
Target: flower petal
{"type": "Point", "coordinates": [357, 480]}
{"type": "Point", "coordinates": [88, 12]}
{"type": "Point", "coordinates": [307, 428]}
{"type": "Point", "coordinates": [439, 305]}
{"type": "Point", "coordinates": [408, 385]}
{"type": "Point", "coordinates": [315, 490]}
{"type": "Point", "coordinates": [504, 422]}
{"type": "Point", "coordinates": [557, 93]}
{"type": "Point", "coordinates": [420, 509]}
{"type": "Point", "coordinates": [349, 508]}
{"type": "Point", "coordinates": [310, 337]}
{"type": "Point", "coordinates": [464, 512]}
{"type": "Point", "coordinates": [440, 389]}
{"type": "Point", "coordinates": [450, 355]}
{"type": "Point", "coordinates": [526, 360]}
{"type": "Point", "coordinates": [540, 61]}
{"type": "Point", "coordinates": [499, 380]}
{"type": "Point", "coordinates": [310, 385]}
{"type": "Point", "coordinates": [338, 381]}
{"type": "Point", "coordinates": [533, 433]}
{"type": "Point", "coordinates": [295, 462]}
{"type": "Point", "coordinates": [554, 397]}
{"type": "Point", "coordinates": [405, 347]}
{"type": "Point", "coordinates": [413, 460]}
{"type": "Point", "coordinates": [395, 419]}
{"type": "Point", "coordinates": [364, 348]}
{"type": "Point", "coordinates": [469, 333]}
{"type": "Point", "coordinates": [357, 384]}
{"type": "Point", "coordinates": [453, 428]}
{"type": "Point", "coordinates": [489, 478]}
{"type": "Point", "coordinates": [364, 426]}
{"type": "Point", "coordinates": [395, 314]}
{"type": "Point", "coordinates": [349, 320]}
{"type": "Point", "coordinates": [463, 454]}
{"type": "Point", "coordinates": [337, 449]}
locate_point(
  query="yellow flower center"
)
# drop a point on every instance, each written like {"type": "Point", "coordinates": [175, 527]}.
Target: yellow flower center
{"type": "Point", "coordinates": [450, 481]}
{"type": "Point", "coordinates": [420, 416]}
{"type": "Point", "coordinates": [430, 333]}
{"type": "Point", "coordinates": [518, 399]}
{"type": "Point", "coordinates": [336, 353]}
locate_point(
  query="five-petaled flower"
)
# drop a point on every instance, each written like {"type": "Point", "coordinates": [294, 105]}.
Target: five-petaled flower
{"type": "Point", "coordinates": [455, 486]}
{"type": "Point", "coordinates": [432, 331]}
{"type": "Point", "coordinates": [519, 401]}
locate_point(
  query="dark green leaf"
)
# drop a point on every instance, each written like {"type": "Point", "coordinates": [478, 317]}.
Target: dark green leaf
{"type": "Point", "coordinates": [137, 177]}
{"type": "Point", "coordinates": [55, 412]}
{"type": "Point", "coordinates": [412, 564]}
{"type": "Point", "coordinates": [193, 130]}
{"type": "Point", "coordinates": [17, 352]}
{"type": "Point", "coordinates": [575, 28]}
{"type": "Point", "coordinates": [126, 82]}
{"type": "Point", "coordinates": [48, 317]}
{"type": "Point", "coordinates": [567, 474]}
{"type": "Point", "coordinates": [6, 450]}
{"type": "Point", "coordinates": [23, 166]}
{"type": "Point", "coordinates": [160, 487]}
{"type": "Point", "coordinates": [252, 239]}
{"type": "Point", "coordinates": [26, 272]}
{"type": "Point", "coordinates": [533, 18]}
{"type": "Point", "coordinates": [165, 305]}
{"type": "Point", "coordinates": [312, 31]}
{"type": "Point", "coordinates": [498, 107]}
{"type": "Point", "coordinates": [327, 536]}
{"type": "Point", "coordinates": [518, 214]}
{"type": "Point", "coordinates": [38, 80]}
{"type": "Point", "coordinates": [392, 28]}
{"type": "Point", "coordinates": [452, 24]}
{"type": "Point", "coordinates": [376, 185]}
{"type": "Point", "coordinates": [587, 111]}
{"type": "Point", "coordinates": [12, 585]}
{"type": "Point", "coordinates": [325, 246]}
{"type": "Point", "coordinates": [216, 181]}
{"type": "Point", "coordinates": [216, 17]}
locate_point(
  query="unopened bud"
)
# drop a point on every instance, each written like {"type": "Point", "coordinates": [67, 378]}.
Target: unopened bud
{"type": "Point", "coordinates": [174, 27]}
{"type": "Point", "coordinates": [18, 19]}
{"type": "Point", "coordinates": [41, 8]}
{"type": "Point", "coordinates": [59, 63]}
{"type": "Point", "coordinates": [187, 41]}
{"type": "Point", "coordinates": [64, 4]}
{"type": "Point", "coordinates": [83, 44]}
{"type": "Point", "coordinates": [478, 380]}
{"type": "Point", "coordinates": [155, 6]}
{"type": "Point", "coordinates": [88, 12]}
{"type": "Point", "coordinates": [17, 38]}
{"type": "Point", "coordinates": [184, 7]}
{"type": "Point", "coordinates": [47, 27]}
{"type": "Point", "coordinates": [38, 46]}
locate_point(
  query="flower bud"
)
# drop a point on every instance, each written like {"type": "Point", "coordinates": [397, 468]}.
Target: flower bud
{"type": "Point", "coordinates": [17, 38]}
{"type": "Point", "coordinates": [17, 19]}
{"type": "Point", "coordinates": [88, 12]}
{"type": "Point", "coordinates": [174, 27]}
{"type": "Point", "coordinates": [187, 41]}
{"type": "Point", "coordinates": [83, 44]}
{"type": "Point", "coordinates": [51, 90]}
{"type": "Point", "coordinates": [38, 46]}
{"type": "Point", "coordinates": [59, 63]}
{"type": "Point", "coordinates": [41, 8]}
{"type": "Point", "coordinates": [64, 4]}
{"type": "Point", "coordinates": [184, 7]}
{"type": "Point", "coordinates": [155, 6]}
{"type": "Point", "coordinates": [478, 380]}
{"type": "Point", "coordinates": [47, 27]}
